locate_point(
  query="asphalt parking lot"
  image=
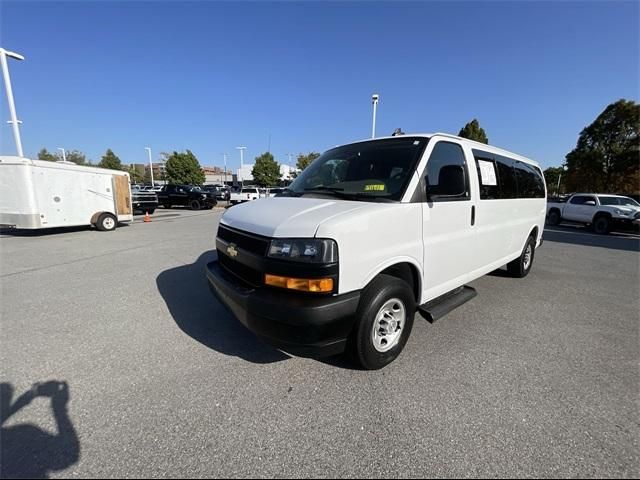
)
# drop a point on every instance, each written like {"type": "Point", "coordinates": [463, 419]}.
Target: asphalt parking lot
{"type": "Point", "coordinates": [534, 377]}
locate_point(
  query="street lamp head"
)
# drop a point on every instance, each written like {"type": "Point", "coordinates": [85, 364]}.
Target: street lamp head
{"type": "Point", "coordinates": [375, 97]}
{"type": "Point", "coordinates": [15, 55]}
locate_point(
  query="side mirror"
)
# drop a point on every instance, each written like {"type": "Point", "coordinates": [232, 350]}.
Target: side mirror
{"type": "Point", "coordinates": [451, 183]}
{"type": "Point", "coordinates": [590, 202]}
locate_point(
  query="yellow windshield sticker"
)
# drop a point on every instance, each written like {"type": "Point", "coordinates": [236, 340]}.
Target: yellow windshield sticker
{"type": "Point", "coordinates": [374, 188]}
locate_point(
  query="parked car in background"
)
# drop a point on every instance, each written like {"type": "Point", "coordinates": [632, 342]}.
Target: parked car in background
{"type": "Point", "coordinates": [246, 194]}
{"type": "Point", "coordinates": [186, 196]}
{"type": "Point", "coordinates": [144, 201]}
{"type": "Point", "coordinates": [272, 192]}
{"type": "Point", "coordinates": [603, 212]}
{"type": "Point", "coordinates": [221, 192]}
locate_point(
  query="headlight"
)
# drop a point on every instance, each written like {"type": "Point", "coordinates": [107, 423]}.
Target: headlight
{"type": "Point", "coordinates": [622, 213]}
{"type": "Point", "coordinates": [311, 250]}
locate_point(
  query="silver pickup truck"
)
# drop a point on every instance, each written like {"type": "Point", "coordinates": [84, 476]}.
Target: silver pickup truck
{"type": "Point", "coordinates": [603, 212]}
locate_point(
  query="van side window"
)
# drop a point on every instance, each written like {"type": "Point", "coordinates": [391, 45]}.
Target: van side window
{"type": "Point", "coordinates": [488, 178]}
{"type": "Point", "coordinates": [447, 177]}
{"type": "Point", "coordinates": [530, 183]}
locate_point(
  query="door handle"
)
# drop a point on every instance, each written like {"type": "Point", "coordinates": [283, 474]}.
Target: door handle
{"type": "Point", "coordinates": [473, 215]}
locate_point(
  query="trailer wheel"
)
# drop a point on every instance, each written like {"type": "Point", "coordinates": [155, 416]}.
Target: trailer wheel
{"type": "Point", "coordinates": [107, 222]}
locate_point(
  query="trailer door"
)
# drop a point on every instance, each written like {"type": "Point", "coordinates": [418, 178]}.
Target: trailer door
{"type": "Point", "coordinates": [122, 195]}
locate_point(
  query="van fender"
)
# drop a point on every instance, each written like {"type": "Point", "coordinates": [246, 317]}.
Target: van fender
{"type": "Point", "coordinates": [373, 273]}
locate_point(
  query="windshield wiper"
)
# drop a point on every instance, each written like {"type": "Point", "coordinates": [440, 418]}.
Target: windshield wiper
{"type": "Point", "coordinates": [339, 192]}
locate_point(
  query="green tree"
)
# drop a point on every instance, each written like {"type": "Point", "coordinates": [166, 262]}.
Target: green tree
{"type": "Point", "coordinates": [551, 177]}
{"type": "Point", "coordinates": [77, 157]}
{"type": "Point", "coordinates": [473, 131]}
{"type": "Point", "coordinates": [136, 174]}
{"type": "Point", "coordinates": [605, 159]}
{"type": "Point", "coordinates": [110, 160]}
{"type": "Point", "coordinates": [46, 155]}
{"type": "Point", "coordinates": [184, 168]}
{"type": "Point", "coordinates": [305, 160]}
{"type": "Point", "coordinates": [266, 171]}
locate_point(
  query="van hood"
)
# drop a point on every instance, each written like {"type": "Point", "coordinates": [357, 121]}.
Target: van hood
{"type": "Point", "coordinates": [287, 216]}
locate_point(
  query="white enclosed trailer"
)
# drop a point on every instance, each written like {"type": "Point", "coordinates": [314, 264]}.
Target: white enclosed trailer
{"type": "Point", "coordinates": [38, 194]}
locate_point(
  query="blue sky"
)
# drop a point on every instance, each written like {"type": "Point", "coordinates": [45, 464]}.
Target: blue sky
{"type": "Point", "coordinates": [210, 76]}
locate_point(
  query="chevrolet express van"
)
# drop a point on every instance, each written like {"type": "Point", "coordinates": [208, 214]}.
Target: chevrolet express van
{"type": "Point", "coordinates": [372, 232]}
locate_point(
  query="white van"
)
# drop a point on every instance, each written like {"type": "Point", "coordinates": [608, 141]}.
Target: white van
{"type": "Point", "coordinates": [369, 233]}
{"type": "Point", "coordinates": [38, 194]}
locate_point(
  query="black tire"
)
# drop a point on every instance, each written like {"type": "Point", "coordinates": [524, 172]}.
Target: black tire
{"type": "Point", "coordinates": [382, 290]}
{"type": "Point", "coordinates": [520, 267]}
{"type": "Point", "coordinates": [554, 217]}
{"type": "Point", "coordinates": [151, 210]}
{"type": "Point", "coordinates": [195, 205]}
{"type": "Point", "coordinates": [166, 205]}
{"type": "Point", "coordinates": [602, 224]}
{"type": "Point", "coordinates": [107, 222]}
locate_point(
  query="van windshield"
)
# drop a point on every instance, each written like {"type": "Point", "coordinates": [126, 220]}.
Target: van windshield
{"type": "Point", "coordinates": [377, 169]}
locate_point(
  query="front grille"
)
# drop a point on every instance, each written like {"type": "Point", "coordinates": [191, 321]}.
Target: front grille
{"type": "Point", "coordinates": [241, 271]}
{"type": "Point", "coordinates": [246, 241]}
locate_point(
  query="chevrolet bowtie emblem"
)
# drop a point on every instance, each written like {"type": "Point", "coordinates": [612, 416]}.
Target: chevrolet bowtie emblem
{"type": "Point", "coordinates": [232, 250]}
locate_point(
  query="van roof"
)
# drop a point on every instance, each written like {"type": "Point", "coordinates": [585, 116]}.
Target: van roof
{"type": "Point", "coordinates": [471, 143]}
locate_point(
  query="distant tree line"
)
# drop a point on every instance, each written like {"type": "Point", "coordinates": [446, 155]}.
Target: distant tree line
{"type": "Point", "coordinates": [606, 158]}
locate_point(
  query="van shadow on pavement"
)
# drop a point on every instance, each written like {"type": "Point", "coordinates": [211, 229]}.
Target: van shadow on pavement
{"type": "Point", "coordinates": [27, 451]}
{"type": "Point", "coordinates": [201, 316]}
{"type": "Point", "coordinates": [629, 241]}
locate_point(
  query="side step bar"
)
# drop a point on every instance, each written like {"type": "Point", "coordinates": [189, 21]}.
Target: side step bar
{"type": "Point", "coordinates": [438, 307]}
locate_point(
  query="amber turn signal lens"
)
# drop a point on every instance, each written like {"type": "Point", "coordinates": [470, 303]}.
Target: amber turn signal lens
{"type": "Point", "coordinates": [316, 285]}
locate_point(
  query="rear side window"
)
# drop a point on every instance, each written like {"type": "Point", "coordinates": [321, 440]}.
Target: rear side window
{"type": "Point", "coordinates": [530, 183]}
{"type": "Point", "coordinates": [579, 200]}
{"type": "Point", "coordinates": [508, 178]}
{"type": "Point", "coordinates": [447, 176]}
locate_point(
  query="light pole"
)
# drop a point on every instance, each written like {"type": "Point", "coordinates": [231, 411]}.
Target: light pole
{"type": "Point", "coordinates": [15, 123]}
{"type": "Point", "coordinates": [224, 155]}
{"type": "Point", "coordinates": [148, 149]}
{"type": "Point", "coordinates": [374, 99]}
{"type": "Point", "coordinates": [242, 149]}
{"type": "Point", "coordinates": [64, 154]}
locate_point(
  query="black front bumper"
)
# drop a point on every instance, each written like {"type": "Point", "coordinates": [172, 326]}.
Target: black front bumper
{"type": "Point", "coordinates": [297, 323]}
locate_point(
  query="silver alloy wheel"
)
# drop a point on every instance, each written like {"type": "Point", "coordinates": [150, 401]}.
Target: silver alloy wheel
{"type": "Point", "coordinates": [109, 223]}
{"type": "Point", "coordinates": [388, 325]}
{"type": "Point", "coordinates": [527, 257]}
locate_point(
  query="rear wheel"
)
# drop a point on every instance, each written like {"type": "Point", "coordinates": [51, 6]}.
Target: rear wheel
{"type": "Point", "coordinates": [521, 266]}
{"type": "Point", "coordinates": [602, 225]}
{"type": "Point", "coordinates": [107, 222]}
{"type": "Point", "coordinates": [195, 205]}
{"type": "Point", "coordinates": [554, 217]}
{"type": "Point", "coordinates": [384, 320]}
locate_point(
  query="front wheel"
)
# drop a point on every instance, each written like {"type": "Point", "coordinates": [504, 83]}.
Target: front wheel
{"type": "Point", "coordinates": [521, 266]}
{"type": "Point", "coordinates": [107, 222]}
{"type": "Point", "coordinates": [384, 320]}
{"type": "Point", "coordinates": [602, 225]}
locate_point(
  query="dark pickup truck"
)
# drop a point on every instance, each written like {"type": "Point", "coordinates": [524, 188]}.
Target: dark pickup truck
{"type": "Point", "coordinates": [187, 196]}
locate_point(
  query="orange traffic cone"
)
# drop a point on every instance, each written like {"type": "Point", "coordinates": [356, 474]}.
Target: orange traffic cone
{"type": "Point", "coordinates": [147, 217]}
